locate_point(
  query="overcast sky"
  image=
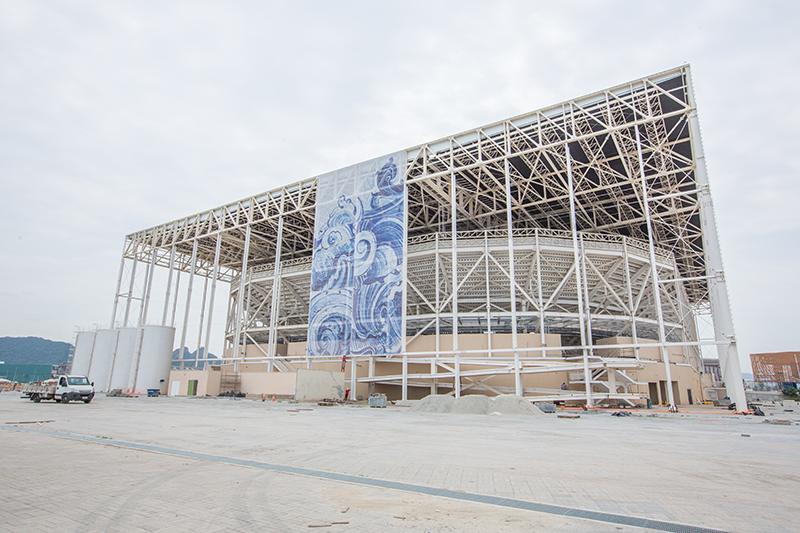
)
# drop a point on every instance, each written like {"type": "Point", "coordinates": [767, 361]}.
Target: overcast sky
{"type": "Point", "coordinates": [117, 116]}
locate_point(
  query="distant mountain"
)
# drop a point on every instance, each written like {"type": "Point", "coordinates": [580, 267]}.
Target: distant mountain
{"type": "Point", "coordinates": [189, 357]}
{"type": "Point", "coordinates": [33, 351]}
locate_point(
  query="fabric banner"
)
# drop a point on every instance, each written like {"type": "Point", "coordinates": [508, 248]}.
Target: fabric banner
{"type": "Point", "coordinates": [357, 270]}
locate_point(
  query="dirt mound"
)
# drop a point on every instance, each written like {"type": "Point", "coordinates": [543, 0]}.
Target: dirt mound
{"type": "Point", "coordinates": [473, 404]}
{"type": "Point", "coordinates": [434, 403]}
{"type": "Point", "coordinates": [509, 404]}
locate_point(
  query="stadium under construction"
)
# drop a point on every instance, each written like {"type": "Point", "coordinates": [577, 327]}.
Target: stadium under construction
{"type": "Point", "coordinates": [562, 255]}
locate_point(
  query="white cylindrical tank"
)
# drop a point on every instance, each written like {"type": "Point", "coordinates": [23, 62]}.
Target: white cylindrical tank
{"type": "Point", "coordinates": [105, 345]}
{"type": "Point", "coordinates": [121, 366]}
{"type": "Point", "coordinates": [82, 356]}
{"type": "Point", "coordinates": [153, 358]}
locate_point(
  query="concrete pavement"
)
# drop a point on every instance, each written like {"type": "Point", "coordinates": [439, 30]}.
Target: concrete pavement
{"type": "Point", "coordinates": [692, 468]}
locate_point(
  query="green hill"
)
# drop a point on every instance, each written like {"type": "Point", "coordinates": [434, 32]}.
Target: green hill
{"type": "Point", "coordinates": [33, 351]}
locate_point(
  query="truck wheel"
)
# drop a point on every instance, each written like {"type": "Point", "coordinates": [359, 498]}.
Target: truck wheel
{"type": "Point", "coordinates": [87, 400]}
{"type": "Point", "coordinates": [64, 398]}
{"type": "Point", "coordinates": [36, 398]}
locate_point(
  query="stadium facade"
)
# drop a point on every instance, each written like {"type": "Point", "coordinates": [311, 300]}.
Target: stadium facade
{"type": "Point", "coordinates": [562, 255]}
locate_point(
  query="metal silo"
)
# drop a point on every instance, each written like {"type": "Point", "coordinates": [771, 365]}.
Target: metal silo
{"type": "Point", "coordinates": [153, 358]}
{"type": "Point", "coordinates": [82, 357]}
{"type": "Point", "coordinates": [120, 371]}
{"type": "Point", "coordinates": [105, 345]}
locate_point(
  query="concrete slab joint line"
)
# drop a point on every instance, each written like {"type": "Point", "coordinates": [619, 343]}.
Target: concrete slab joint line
{"type": "Point", "coordinates": [609, 518]}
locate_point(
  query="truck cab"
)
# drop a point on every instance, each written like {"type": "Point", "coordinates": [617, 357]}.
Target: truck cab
{"type": "Point", "coordinates": [73, 388]}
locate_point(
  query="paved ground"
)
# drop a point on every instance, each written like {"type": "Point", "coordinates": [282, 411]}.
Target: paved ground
{"type": "Point", "coordinates": [202, 464]}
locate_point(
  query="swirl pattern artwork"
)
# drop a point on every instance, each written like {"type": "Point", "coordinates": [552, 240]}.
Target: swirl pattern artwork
{"type": "Point", "coordinates": [357, 269]}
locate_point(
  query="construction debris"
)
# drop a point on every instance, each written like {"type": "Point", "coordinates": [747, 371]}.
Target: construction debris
{"type": "Point", "coordinates": [778, 422]}
{"type": "Point", "coordinates": [504, 405]}
{"type": "Point", "coordinates": [511, 404]}
{"type": "Point", "coordinates": [474, 404]}
{"type": "Point", "coordinates": [434, 403]}
{"type": "Point", "coordinates": [329, 402]}
{"type": "Point", "coordinates": [546, 407]}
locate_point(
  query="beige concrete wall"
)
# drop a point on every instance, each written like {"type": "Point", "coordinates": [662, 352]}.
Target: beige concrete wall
{"type": "Point", "coordinates": [269, 383]}
{"type": "Point", "coordinates": [296, 349]}
{"type": "Point", "coordinates": [425, 345]}
{"type": "Point", "coordinates": [684, 375]}
{"type": "Point", "coordinates": [315, 385]}
{"type": "Point", "coordinates": [677, 354]}
{"type": "Point", "coordinates": [207, 381]}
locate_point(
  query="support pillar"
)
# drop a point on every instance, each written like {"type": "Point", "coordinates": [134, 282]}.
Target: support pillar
{"type": "Point", "coordinates": [511, 272]}
{"type": "Point", "coordinates": [276, 292]}
{"type": "Point", "coordinates": [151, 267]}
{"type": "Point", "coordinates": [353, 377]}
{"type": "Point", "coordinates": [119, 286]}
{"type": "Point", "coordinates": [192, 267]}
{"type": "Point", "coordinates": [454, 274]}
{"type": "Point", "coordinates": [240, 299]}
{"type": "Point", "coordinates": [587, 376]}
{"type": "Point", "coordinates": [213, 295]}
{"type": "Point", "coordinates": [130, 291]}
{"type": "Point", "coordinates": [631, 303]}
{"type": "Point", "coordinates": [718, 291]}
{"type": "Point", "coordinates": [541, 298]}
{"type": "Point", "coordinates": [169, 285]}
{"type": "Point", "coordinates": [654, 272]}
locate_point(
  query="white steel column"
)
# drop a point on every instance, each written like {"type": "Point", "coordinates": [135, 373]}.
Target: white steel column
{"type": "Point", "coordinates": [130, 291]}
{"type": "Point", "coordinates": [511, 273]}
{"type": "Point", "coordinates": [169, 285]}
{"type": "Point", "coordinates": [240, 299]}
{"type": "Point", "coordinates": [718, 291]}
{"type": "Point", "coordinates": [371, 374]}
{"type": "Point", "coordinates": [200, 327]}
{"type": "Point", "coordinates": [454, 275]}
{"type": "Point", "coordinates": [630, 296]}
{"type": "Point", "coordinates": [353, 377]}
{"type": "Point", "coordinates": [188, 303]}
{"type": "Point", "coordinates": [276, 287]}
{"type": "Point", "coordinates": [403, 347]}
{"type": "Point", "coordinates": [588, 308]}
{"type": "Point", "coordinates": [175, 300]}
{"type": "Point", "coordinates": [654, 272]}
{"type": "Point", "coordinates": [404, 396]}
{"type": "Point", "coordinates": [213, 295]}
{"type": "Point", "coordinates": [119, 286]}
{"type": "Point", "coordinates": [150, 271]}
{"type": "Point", "coordinates": [488, 297]}
{"type": "Point", "coordinates": [246, 315]}
{"type": "Point", "coordinates": [587, 377]}
{"type": "Point", "coordinates": [434, 363]}
{"type": "Point", "coordinates": [541, 298]}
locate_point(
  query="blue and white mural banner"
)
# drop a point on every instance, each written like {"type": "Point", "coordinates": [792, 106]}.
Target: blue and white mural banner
{"type": "Point", "coordinates": [357, 271]}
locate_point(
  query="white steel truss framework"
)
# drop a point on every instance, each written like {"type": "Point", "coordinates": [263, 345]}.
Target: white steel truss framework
{"type": "Point", "coordinates": [592, 218]}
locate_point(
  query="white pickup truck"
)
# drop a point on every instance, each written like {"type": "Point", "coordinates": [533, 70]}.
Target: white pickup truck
{"type": "Point", "coordinates": [62, 389]}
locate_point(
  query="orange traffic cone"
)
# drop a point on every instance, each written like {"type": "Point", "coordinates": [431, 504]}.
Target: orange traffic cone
{"type": "Point", "coordinates": [273, 397]}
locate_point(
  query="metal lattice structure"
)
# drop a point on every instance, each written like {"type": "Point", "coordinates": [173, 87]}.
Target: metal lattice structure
{"type": "Point", "coordinates": [591, 219]}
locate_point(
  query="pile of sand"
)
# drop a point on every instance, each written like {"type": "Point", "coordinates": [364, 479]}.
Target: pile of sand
{"type": "Point", "coordinates": [434, 403]}
{"type": "Point", "coordinates": [510, 404]}
{"type": "Point", "coordinates": [476, 404]}
{"type": "Point", "coordinates": [472, 404]}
